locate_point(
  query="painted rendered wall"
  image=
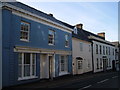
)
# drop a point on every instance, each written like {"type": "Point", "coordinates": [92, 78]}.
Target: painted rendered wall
{"type": "Point", "coordinates": [95, 56]}
{"type": "Point", "coordinates": [0, 46]}
{"type": "Point", "coordinates": [39, 35]}
{"type": "Point", "coordinates": [85, 54]}
{"type": "Point", "coordinates": [38, 39]}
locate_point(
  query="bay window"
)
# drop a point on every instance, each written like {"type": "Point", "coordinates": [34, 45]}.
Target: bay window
{"type": "Point", "coordinates": [26, 65]}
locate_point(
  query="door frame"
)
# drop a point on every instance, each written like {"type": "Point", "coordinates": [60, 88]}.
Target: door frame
{"type": "Point", "coordinates": [81, 70]}
{"type": "Point", "coordinates": [51, 66]}
{"type": "Point", "coordinates": [104, 64]}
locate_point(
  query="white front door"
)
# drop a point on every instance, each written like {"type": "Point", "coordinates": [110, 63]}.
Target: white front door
{"type": "Point", "coordinates": [44, 72]}
{"type": "Point", "coordinates": [47, 68]}
{"type": "Point", "coordinates": [79, 67]}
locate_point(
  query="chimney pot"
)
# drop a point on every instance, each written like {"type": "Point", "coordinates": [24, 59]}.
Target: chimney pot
{"type": "Point", "coordinates": [80, 26]}
{"type": "Point", "coordinates": [102, 34]}
{"type": "Point", "coordinates": [50, 14]}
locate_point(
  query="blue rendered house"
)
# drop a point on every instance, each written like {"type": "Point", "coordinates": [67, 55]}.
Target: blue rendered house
{"type": "Point", "coordinates": [35, 45]}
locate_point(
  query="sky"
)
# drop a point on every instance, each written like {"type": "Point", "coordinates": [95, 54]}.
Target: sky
{"type": "Point", "coordinates": [96, 17]}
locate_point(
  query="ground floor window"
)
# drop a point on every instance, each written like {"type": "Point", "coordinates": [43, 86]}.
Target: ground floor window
{"type": "Point", "coordinates": [109, 62]}
{"type": "Point", "coordinates": [97, 62]}
{"type": "Point", "coordinates": [26, 65]}
{"type": "Point", "coordinates": [101, 63]}
{"type": "Point", "coordinates": [63, 63]}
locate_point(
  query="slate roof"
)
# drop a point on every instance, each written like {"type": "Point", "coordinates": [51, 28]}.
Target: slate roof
{"type": "Point", "coordinates": [81, 35]}
{"type": "Point", "coordinates": [35, 11]}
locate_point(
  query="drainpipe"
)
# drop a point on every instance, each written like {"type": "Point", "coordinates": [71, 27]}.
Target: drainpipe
{"type": "Point", "coordinates": [92, 57]}
{"type": "Point", "coordinates": [0, 45]}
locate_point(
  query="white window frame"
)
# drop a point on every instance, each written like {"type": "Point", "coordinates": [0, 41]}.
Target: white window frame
{"type": "Point", "coordinates": [31, 70]}
{"type": "Point", "coordinates": [66, 40]}
{"type": "Point", "coordinates": [28, 32]}
{"type": "Point", "coordinates": [53, 40]}
{"type": "Point", "coordinates": [75, 30]}
{"type": "Point", "coordinates": [65, 63]}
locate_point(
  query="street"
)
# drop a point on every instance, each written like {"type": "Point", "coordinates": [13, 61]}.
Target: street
{"type": "Point", "coordinates": [101, 81]}
{"type": "Point", "coordinates": [80, 82]}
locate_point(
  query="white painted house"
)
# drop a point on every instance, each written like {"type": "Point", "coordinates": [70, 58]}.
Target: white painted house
{"type": "Point", "coordinates": [95, 52]}
{"type": "Point", "coordinates": [81, 51]}
{"type": "Point", "coordinates": [116, 55]}
{"type": "Point", "coordinates": [103, 53]}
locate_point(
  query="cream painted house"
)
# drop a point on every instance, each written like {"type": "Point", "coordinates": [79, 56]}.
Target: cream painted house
{"type": "Point", "coordinates": [81, 51]}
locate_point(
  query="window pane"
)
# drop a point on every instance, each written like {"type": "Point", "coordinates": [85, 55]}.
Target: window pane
{"type": "Point", "coordinates": [51, 37]}
{"type": "Point", "coordinates": [20, 58]}
{"type": "Point", "coordinates": [19, 70]}
{"type": "Point", "coordinates": [26, 70]}
{"type": "Point", "coordinates": [27, 58]}
{"type": "Point", "coordinates": [62, 63]}
{"type": "Point", "coordinates": [33, 58]}
{"type": "Point", "coordinates": [33, 70]}
{"type": "Point", "coordinates": [24, 30]}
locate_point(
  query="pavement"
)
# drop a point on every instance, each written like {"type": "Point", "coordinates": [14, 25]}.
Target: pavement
{"type": "Point", "coordinates": [58, 81]}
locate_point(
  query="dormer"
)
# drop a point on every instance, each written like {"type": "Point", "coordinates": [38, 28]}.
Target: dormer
{"type": "Point", "coordinates": [75, 30]}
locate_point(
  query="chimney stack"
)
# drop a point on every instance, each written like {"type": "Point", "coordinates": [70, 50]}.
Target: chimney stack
{"type": "Point", "coordinates": [102, 34]}
{"type": "Point", "coordinates": [80, 26]}
{"type": "Point", "coordinates": [50, 14]}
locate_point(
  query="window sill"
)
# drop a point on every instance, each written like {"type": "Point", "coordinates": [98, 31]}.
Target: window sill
{"type": "Point", "coordinates": [67, 46]}
{"type": "Point", "coordinates": [63, 73]}
{"type": "Point", "coordinates": [51, 44]}
{"type": "Point", "coordinates": [24, 40]}
{"type": "Point", "coordinates": [27, 78]}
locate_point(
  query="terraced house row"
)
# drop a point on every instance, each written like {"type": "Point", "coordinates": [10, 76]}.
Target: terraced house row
{"type": "Point", "coordinates": [36, 45]}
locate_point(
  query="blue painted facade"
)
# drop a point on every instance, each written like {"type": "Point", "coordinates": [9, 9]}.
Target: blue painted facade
{"type": "Point", "coordinates": [38, 39]}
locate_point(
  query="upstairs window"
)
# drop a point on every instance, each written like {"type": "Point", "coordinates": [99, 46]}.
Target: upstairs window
{"type": "Point", "coordinates": [103, 50]}
{"type": "Point", "coordinates": [106, 51]}
{"type": "Point", "coordinates": [96, 49]}
{"type": "Point", "coordinates": [100, 49]}
{"type": "Point", "coordinates": [75, 30]}
{"type": "Point", "coordinates": [66, 41]}
{"type": "Point", "coordinates": [51, 37]}
{"type": "Point", "coordinates": [81, 46]}
{"type": "Point", "coordinates": [24, 32]}
{"type": "Point", "coordinates": [109, 50]}
{"type": "Point", "coordinates": [113, 51]}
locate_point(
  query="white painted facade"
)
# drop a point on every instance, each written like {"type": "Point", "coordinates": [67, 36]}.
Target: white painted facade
{"type": "Point", "coordinates": [108, 57]}
{"type": "Point", "coordinates": [85, 54]}
{"type": "Point", "coordinates": [0, 46]}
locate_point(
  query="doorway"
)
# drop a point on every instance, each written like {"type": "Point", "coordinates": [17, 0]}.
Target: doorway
{"type": "Point", "coordinates": [50, 58]}
{"type": "Point", "coordinates": [79, 65]}
{"type": "Point", "coordinates": [104, 64]}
